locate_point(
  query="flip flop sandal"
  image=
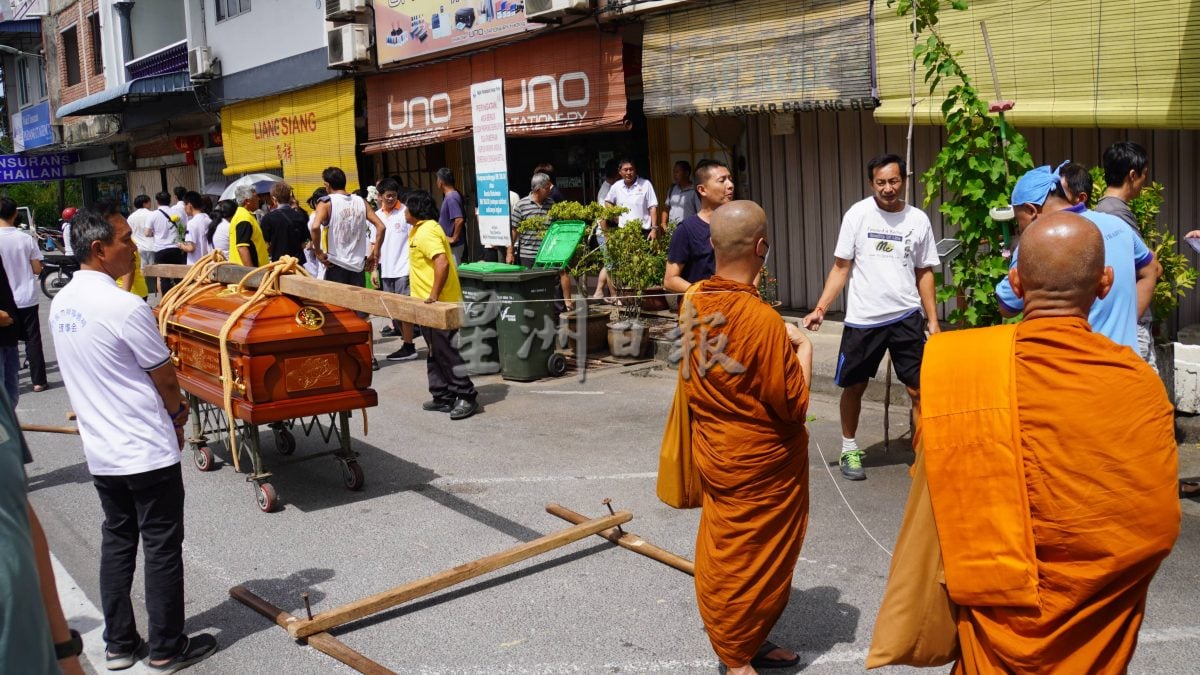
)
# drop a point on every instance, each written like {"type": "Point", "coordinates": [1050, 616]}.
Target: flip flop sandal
{"type": "Point", "coordinates": [760, 659]}
{"type": "Point", "coordinates": [1189, 489]}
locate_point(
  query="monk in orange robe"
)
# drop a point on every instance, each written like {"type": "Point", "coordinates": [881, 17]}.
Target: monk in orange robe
{"type": "Point", "coordinates": [747, 376]}
{"type": "Point", "coordinates": [1051, 460]}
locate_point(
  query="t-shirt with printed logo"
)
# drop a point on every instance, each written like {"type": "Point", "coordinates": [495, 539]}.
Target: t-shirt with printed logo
{"type": "Point", "coordinates": [886, 249]}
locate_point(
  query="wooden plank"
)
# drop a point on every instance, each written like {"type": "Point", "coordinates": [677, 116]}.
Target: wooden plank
{"type": "Point", "coordinates": [455, 575]}
{"type": "Point", "coordinates": [628, 540]}
{"type": "Point", "coordinates": [322, 642]}
{"type": "Point", "coordinates": [438, 315]}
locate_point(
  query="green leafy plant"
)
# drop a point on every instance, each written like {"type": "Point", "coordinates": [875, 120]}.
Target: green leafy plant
{"type": "Point", "coordinates": [1178, 275]}
{"type": "Point", "coordinates": [637, 263]}
{"type": "Point", "coordinates": [538, 225]}
{"type": "Point", "coordinates": [969, 171]}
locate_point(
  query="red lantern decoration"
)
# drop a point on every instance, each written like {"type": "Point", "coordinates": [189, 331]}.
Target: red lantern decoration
{"type": "Point", "coordinates": [188, 145]}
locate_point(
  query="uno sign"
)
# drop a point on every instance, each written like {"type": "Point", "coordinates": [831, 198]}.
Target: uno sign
{"type": "Point", "coordinates": [549, 100]}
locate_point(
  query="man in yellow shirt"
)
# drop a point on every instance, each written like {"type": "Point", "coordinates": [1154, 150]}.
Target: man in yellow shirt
{"type": "Point", "coordinates": [433, 277]}
{"type": "Point", "coordinates": [246, 244]}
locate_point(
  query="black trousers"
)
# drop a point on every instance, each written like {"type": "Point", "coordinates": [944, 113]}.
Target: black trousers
{"type": "Point", "coordinates": [169, 256]}
{"type": "Point", "coordinates": [31, 334]}
{"type": "Point", "coordinates": [445, 367]}
{"type": "Point", "coordinates": [150, 506]}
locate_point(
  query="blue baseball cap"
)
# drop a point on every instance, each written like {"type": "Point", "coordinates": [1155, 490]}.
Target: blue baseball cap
{"type": "Point", "coordinates": [1035, 185]}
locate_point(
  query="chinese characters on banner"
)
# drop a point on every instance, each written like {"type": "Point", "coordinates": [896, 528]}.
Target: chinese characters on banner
{"type": "Point", "coordinates": [491, 162]}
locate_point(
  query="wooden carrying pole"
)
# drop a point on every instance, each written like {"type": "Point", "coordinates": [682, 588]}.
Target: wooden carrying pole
{"type": "Point", "coordinates": [322, 642]}
{"type": "Point", "coordinates": [387, 599]}
{"type": "Point", "coordinates": [628, 540]}
{"type": "Point", "coordinates": [437, 315]}
{"type": "Point", "coordinates": [49, 429]}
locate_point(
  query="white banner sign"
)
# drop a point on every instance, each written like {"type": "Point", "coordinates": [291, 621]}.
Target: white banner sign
{"type": "Point", "coordinates": [491, 162]}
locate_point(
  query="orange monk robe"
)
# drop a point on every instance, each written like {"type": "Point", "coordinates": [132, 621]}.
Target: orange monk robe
{"type": "Point", "coordinates": [1098, 454]}
{"type": "Point", "coordinates": [751, 447]}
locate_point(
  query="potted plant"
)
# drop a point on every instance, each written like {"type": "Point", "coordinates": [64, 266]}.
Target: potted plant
{"type": "Point", "coordinates": [638, 265]}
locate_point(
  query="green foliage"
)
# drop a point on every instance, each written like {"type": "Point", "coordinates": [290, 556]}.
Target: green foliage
{"type": "Point", "coordinates": [538, 225]}
{"type": "Point", "coordinates": [1178, 275]}
{"type": "Point", "coordinates": [969, 171]}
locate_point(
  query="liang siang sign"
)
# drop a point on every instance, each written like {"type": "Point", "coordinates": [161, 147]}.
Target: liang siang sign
{"type": "Point", "coordinates": [33, 168]}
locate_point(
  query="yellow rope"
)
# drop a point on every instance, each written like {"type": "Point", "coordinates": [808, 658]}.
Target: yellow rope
{"type": "Point", "coordinates": [198, 281]}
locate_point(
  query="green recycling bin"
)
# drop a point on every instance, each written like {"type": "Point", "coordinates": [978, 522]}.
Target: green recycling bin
{"type": "Point", "coordinates": [520, 302]}
{"type": "Point", "coordinates": [477, 337]}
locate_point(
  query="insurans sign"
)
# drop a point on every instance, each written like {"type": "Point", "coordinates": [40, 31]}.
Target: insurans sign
{"type": "Point", "coordinates": [30, 168]}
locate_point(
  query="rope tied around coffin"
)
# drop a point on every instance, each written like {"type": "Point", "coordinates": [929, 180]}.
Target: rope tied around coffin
{"type": "Point", "coordinates": [196, 282]}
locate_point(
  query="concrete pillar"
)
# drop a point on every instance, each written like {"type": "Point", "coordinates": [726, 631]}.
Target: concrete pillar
{"type": "Point", "coordinates": [124, 7]}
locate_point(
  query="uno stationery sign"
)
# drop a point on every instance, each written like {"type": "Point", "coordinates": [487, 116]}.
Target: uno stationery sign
{"type": "Point", "coordinates": [556, 84]}
{"type": "Point", "coordinates": [410, 29]}
{"type": "Point", "coordinates": [31, 168]}
{"type": "Point", "coordinates": [491, 162]}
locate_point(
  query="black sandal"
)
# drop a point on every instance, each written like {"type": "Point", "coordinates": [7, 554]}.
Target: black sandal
{"type": "Point", "coordinates": [761, 660]}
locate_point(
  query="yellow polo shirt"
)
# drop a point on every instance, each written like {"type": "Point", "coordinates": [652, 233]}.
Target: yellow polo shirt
{"type": "Point", "coordinates": [426, 241]}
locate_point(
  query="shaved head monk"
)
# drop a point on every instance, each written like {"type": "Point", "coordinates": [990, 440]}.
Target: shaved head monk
{"type": "Point", "coordinates": [747, 378]}
{"type": "Point", "coordinates": [1050, 456]}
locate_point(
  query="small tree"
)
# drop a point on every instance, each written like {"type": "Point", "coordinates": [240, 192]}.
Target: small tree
{"type": "Point", "coordinates": [969, 171]}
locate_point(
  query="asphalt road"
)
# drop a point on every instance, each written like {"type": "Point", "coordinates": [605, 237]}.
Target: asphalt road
{"type": "Point", "coordinates": [439, 494]}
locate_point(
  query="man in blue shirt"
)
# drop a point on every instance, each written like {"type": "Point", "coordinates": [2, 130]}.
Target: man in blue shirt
{"type": "Point", "coordinates": [1039, 192]}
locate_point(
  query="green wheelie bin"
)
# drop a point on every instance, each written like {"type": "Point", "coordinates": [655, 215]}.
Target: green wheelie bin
{"type": "Point", "coordinates": [477, 337]}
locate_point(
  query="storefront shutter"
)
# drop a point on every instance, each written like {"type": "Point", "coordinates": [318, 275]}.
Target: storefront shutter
{"type": "Point", "coordinates": [759, 56]}
{"type": "Point", "coordinates": [1066, 63]}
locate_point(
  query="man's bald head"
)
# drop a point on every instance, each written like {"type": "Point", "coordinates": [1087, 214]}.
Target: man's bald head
{"type": "Point", "coordinates": [736, 229]}
{"type": "Point", "coordinates": [1061, 263]}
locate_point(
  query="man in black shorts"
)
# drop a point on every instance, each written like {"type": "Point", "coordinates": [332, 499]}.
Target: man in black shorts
{"type": "Point", "coordinates": [886, 252]}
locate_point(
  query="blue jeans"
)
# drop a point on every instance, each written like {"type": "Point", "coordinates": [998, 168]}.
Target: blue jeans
{"type": "Point", "coordinates": [10, 372]}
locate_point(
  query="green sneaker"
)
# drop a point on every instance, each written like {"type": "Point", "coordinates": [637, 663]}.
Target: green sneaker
{"type": "Point", "coordinates": [852, 468]}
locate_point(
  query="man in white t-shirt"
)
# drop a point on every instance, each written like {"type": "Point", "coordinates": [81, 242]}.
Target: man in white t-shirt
{"type": "Point", "coordinates": [682, 202]}
{"type": "Point", "coordinates": [23, 262]}
{"type": "Point", "coordinates": [392, 273]}
{"type": "Point", "coordinates": [179, 208]}
{"type": "Point", "coordinates": [124, 392]}
{"type": "Point", "coordinates": [886, 251]}
{"type": "Point", "coordinates": [67, 214]}
{"type": "Point", "coordinates": [195, 241]}
{"type": "Point", "coordinates": [344, 253]}
{"type": "Point", "coordinates": [161, 227]}
{"type": "Point", "coordinates": [636, 194]}
{"type": "Point", "coordinates": [145, 245]}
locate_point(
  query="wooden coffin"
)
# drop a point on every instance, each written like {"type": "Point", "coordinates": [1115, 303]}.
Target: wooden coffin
{"type": "Point", "coordinates": [289, 358]}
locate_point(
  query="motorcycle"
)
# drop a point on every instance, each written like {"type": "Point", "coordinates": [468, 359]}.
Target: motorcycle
{"type": "Point", "coordinates": [49, 239]}
{"type": "Point", "coordinates": [57, 271]}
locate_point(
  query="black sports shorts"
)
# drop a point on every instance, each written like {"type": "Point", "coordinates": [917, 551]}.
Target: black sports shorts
{"type": "Point", "coordinates": [863, 348]}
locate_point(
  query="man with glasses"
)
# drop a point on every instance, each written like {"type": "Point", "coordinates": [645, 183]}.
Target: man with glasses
{"type": "Point", "coordinates": [886, 253]}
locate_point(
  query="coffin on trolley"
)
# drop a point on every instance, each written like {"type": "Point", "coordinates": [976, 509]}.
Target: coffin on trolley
{"type": "Point", "coordinates": [291, 361]}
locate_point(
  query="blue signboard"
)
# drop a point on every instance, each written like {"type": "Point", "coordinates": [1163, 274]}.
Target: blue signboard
{"type": "Point", "coordinates": [31, 127]}
{"type": "Point", "coordinates": [29, 168]}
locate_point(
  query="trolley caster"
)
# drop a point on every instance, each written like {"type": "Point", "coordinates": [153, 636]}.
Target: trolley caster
{"type": "Point", "coordinates": [556, 364]}
{"type": "Point", "coordinates": [352, 476]}
{"type": "Point", "coordinates": [268, 500]}
{"type": "Point", "coordinates": [203, 458]}
{"type": "Point", "coordinates": [285, 442]}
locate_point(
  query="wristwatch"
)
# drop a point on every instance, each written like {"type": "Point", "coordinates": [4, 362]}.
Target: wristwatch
{"type": "Point", "coordinates": [72, 647]}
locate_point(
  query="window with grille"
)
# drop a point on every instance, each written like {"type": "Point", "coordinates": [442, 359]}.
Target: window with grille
{"type": "Point", "coordinates": [227, 9]}
{"type": "Point", "coordinates": [70, 41]}
{"type": "Point", "coordinates": [94, 34]}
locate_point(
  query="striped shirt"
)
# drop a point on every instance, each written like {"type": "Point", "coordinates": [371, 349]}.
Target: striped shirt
{"type": "Point", "coordinates": [528, 243]}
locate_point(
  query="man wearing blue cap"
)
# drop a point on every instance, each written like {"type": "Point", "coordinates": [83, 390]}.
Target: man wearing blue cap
{"type": "Point", "coordinates": [1039, 193]}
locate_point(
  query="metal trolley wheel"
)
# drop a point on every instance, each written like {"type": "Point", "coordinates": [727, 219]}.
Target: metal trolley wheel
{"type": "Point", "coordinates": [285, 441]}
{"type": "Point", "coordinates": [268, 499]}
{"type": "Point", "coordinates": [352, 476]}
{"type": "Point", "coordinates": [556, 364]}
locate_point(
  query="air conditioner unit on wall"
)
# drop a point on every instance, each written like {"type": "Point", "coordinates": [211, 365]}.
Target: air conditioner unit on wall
{"type": "Point", "coordinates": [200, 65]}
{"type": "Point", "coordinates": [344, 9]}
{"type": "Point", "coordinates": [550, 10]}
{"type": "Point", "coordinates": [347, 45]}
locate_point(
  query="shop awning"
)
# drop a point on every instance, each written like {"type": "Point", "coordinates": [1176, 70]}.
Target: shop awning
{"type": "Point", "coordinates": [113, 100]}
{"type": "Point", "coordinates": [1096, 63]}
{"type": "Point", "coordinates": [562, 83]}
{"type": "Point", "coordinates": [759, 56]}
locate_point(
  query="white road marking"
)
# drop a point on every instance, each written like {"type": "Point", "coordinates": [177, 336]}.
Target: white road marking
{"type": "Point", "coordinates": [78, 608]}
{"type": "Point", "coordinates": [451, 480]}
{"type": "Point", "coordinates": [570, 392]}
